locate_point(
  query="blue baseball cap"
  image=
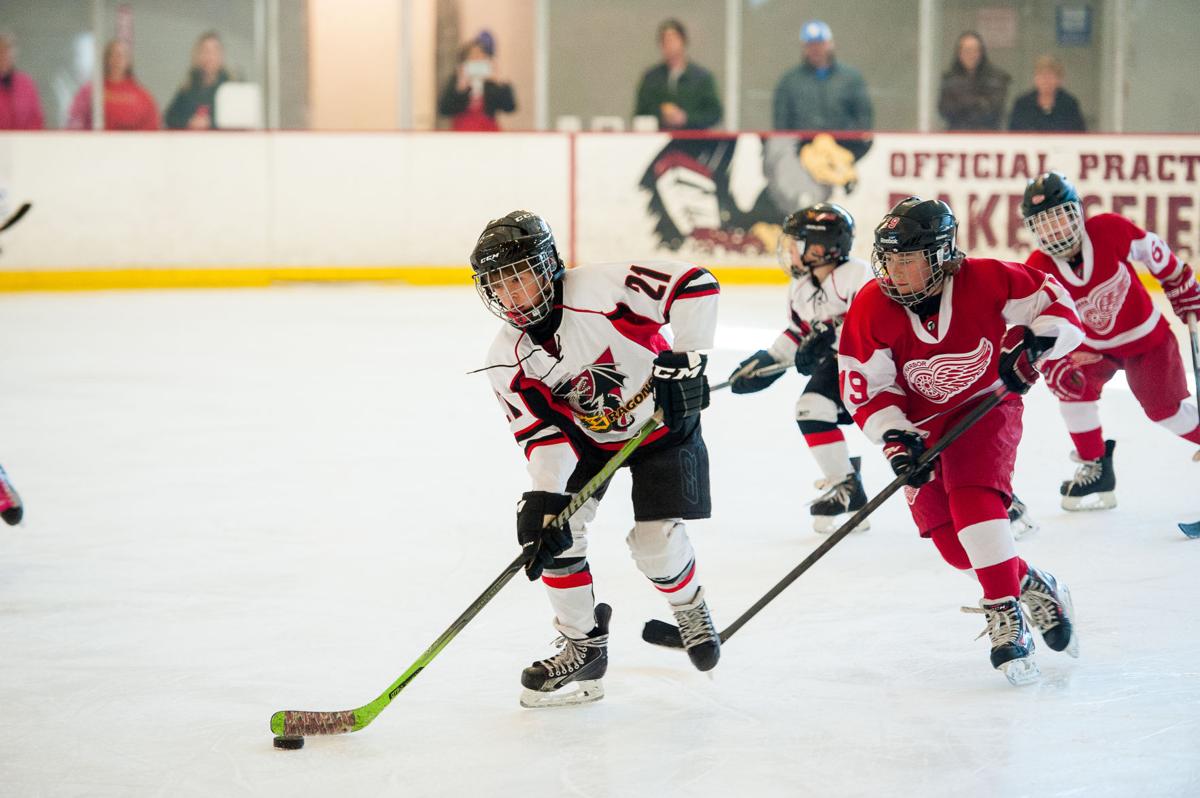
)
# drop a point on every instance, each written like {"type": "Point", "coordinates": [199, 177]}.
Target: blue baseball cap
{"type": "Point", "coordinates": [815, 31]}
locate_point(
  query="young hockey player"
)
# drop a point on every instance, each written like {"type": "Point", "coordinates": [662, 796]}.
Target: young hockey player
{"type": "Point", "coordinates": [814, 249]}
{"type": "Point", "coordinates": [583, 361]}
{"type": "Point", "coordinates": [1122, 328]}
{"type": "Point", "coordinates": [920, 346]}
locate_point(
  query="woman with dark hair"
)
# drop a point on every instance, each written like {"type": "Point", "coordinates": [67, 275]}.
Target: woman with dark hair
{"type": "Point", "coordinates": [127, 104]}
{"type": "Point", "coordinates": [194, 105]}
{"type": "Point", "coordinates": [473, 96]}
{"type": "Point", "coordinates": [973, 89]}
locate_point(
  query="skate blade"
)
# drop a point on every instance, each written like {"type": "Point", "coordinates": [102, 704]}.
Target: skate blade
{"type": "Point", "coordinates": [1021, 671]}
{"type": "Point", "coordinates": [1095, 501]}
{"type": "Point", "coordinates": [827, 524]}
{"type": "Point", "coordinates": [585, 692]}
{"type": "Point", "coordinates": [1022, 528]}
{"type": "Point", "coordinates": [1072, 649]}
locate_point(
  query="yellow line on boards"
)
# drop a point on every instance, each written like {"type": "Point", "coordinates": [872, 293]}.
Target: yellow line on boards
{"type": "Point", "coordinates": [113, 279]}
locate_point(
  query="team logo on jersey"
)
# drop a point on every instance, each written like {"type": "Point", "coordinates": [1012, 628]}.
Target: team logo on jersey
{"type": "Point", "coordinates": [942, 377]}
{"type": "Point", "coordinates": [1098, 310]}
{"type": "Point", "coordinates": [594, 395]}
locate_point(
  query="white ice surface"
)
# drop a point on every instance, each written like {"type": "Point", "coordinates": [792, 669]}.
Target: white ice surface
{"type": "Point", "coordinates": [245, 501]}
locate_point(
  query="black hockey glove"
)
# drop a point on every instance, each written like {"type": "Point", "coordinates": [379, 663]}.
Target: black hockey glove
{"type": "Point", "coordinates": [680, 387]}
{"type": "Point", "coordinates": [1018, 351]}
{"type": "Point", "coordinates": [815, 347]}
{"type": "Point", "coordinates": [540, 538]}
{"type": "Point", "coordinates": [903, 449]}
{"type": "Point", "coordinates": [741, 380]}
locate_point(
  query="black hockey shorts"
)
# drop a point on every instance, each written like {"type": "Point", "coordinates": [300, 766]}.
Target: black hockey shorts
{"type": "Point", "coordinates": [824, 381]}
{"type": "Point", "coordinates": [670, 476]}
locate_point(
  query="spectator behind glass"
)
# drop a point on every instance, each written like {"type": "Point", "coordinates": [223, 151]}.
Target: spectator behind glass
{"type": "Point", "coordinates": [194, 105]}
{"type": "Point", "coordinates": [1048, 107]}
{"type": "Point", "coordinates": [821, 93]}
{"type": "Point", "coordinates": [973, 89]}
{"type": "Point", "coordinates": [127, 105]}
{"type": "Point", "coordinates": [681, 94]}
{"type": "Point", "coordinates": [473, 95]}
{"type": "Point", "coordinates": [20, 107]}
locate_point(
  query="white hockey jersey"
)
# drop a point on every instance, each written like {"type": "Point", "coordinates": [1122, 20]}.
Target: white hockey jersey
{"type": "Point", "coordinates": [809, 303]}
{"type": "Point", "coordinates": [591, 385]}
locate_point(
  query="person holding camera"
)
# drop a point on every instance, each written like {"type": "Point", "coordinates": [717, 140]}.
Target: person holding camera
{"type": "Point", "coordinates": [473, 96]}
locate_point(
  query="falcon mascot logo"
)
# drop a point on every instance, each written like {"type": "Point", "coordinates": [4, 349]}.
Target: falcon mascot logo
{"type": "Point", "coordinates": [943, 377]}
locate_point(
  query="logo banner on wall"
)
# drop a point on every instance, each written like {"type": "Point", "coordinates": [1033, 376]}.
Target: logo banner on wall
{"type": "Point", "coordinates": [720, 199]}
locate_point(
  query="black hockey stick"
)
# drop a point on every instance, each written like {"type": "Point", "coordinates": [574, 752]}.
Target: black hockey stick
{"type": "Point", "coordinates": [1193, 530]}
{"type": "Point", "coordinates": [16, 217]}
{"type": "Point", "coordinates": [661, 633]}
{"type": "Point", "coordinates": [292, 726]}
{"type": "Point", "coordinates": [765, 371]}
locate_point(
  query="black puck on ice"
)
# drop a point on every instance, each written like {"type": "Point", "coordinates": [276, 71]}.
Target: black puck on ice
{"type": "Point", "coordinates": [289, 743]}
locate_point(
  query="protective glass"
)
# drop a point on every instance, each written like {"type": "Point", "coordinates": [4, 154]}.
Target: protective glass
{"type": "Point", "coordinates": [521, 293]}
{"type": "Point", "coordinates": [1058, 230]}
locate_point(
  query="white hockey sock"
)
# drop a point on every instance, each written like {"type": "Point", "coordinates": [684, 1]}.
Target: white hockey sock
{"type": "Point", "coordinates": [833, 459]}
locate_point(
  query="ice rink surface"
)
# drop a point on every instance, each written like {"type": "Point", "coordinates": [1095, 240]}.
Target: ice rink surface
{"type": "Point", "coordinates": [245, 501]}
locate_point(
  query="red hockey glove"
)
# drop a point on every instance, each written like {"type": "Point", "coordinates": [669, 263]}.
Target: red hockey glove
{"type": "Point", "coordinates": [1018, 351]}
{"type": "Point", "coordinates": [903, 448]}
{"type": "Point", "coordinates": [1183, 292]}
{"type": "Point", "coordinates": [1064, 378]}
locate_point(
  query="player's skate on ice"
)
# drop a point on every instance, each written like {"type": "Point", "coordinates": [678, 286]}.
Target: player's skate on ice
{"type": "Point", "coordinates": [814, 250]}
{"type": "Point", "coordinates": [1123, 330]}
{"type": "Point", "coordinates": [934, 334]}
{"type": "Point", "coordinates": [582, 363]}
{"type": "Point", "coordinates": [11, 509]}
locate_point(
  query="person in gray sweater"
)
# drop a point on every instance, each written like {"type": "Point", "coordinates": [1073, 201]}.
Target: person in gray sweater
{"type": "Point", "coordinates": [821, 93]}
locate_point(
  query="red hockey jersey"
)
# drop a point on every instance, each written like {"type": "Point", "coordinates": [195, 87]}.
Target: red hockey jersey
{"type": "Point", "coordinates": [899, 372]}
{"type": "Point", "coordinates": [1116, 311]}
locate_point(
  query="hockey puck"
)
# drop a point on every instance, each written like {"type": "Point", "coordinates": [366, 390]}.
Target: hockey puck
{"type": "Point", "coordinates": [289, 743]}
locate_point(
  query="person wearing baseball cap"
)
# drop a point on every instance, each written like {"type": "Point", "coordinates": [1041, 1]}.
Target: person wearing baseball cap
{"type": "Point", "coordinates": [821, 93]}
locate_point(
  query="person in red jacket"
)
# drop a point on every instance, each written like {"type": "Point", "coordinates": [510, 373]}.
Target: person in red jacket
{"type": "Point", "coordinates": [127, 104]}
{"type": "Point", "coordinates": [474, 95]}
{"type": "Point", "coordinates": [933, 335]}
{"type": "Point", "coordinates": [20, 108]}
{"type": "Point", "coordinates": [1122, 328]}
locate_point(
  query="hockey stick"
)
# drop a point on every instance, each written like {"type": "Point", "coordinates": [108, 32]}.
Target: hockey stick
{"type": "Point", "coordinates": [293, 725]}
{"type": "Point", "coordinates": [1193, 530]}
{"type": "Point", "coordinates": [661, 633]}
{"type": "Point", "coordinates": [16, 217]}
{"type": "Point", "coordinates": [765, 371]}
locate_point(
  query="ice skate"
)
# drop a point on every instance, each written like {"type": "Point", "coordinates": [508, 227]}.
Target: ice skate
{"type": "Point", "coordinates": [1050, 609]}
{"type": "Point", "coordinates": [699, 636]}
{"type": "Point", "coordinates": [1094, 484]}
{"type": "Point", "coordinates": [581, 663]}
{"type": "Point", "coordinates": [841, 499]}
{"type": "Point", "coordinates": [1022, 522]}
{"type": "Point", "coordinates": [1012, 642]}
{"type": "Point", "coordinates": [11, 509]}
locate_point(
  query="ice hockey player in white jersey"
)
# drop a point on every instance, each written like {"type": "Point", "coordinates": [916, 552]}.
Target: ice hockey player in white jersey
{"type": "Point", "coordinates": [582, 362]}
{"type": "Point", "coordinates": [814, 249]}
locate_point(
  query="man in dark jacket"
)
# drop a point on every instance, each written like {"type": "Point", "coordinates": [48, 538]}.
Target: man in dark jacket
{"type": "Point", "coordinates": [821, 93]}
{"type": "Point", "coordinates": [681, 94]}
{"type": "Point", "coordinates": [1048, 107]}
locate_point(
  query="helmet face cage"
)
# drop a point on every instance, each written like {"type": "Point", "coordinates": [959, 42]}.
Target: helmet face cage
{"type": "Point", "coordinates": [790, 251]}
{"type": "Point", "coordinates": [924, 268]}
{"type": "Point", "coordinates": [1058, 230]}
{"type": "Point", "coordinates": [521, 292]}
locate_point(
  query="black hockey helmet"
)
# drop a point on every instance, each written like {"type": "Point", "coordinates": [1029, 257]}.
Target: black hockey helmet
{"type": "Point", "coordinates": [507, 249]}
{"type": "Point", "coordinates": [1053, 212]}
{"type": "Point", "coordinates": [825, 224]}
{"type": "Point", "coordinates": [914, 225]}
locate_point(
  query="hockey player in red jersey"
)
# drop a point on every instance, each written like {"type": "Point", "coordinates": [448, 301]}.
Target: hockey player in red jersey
{"type": "Point", "coordinates": [934, 334]}
{"type": "Point", "coordinates": [814, 250]}
{"type": "Point", "coordinates": [583, 361]}
{"type": "Point", "coordinates": [1122, 328]}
